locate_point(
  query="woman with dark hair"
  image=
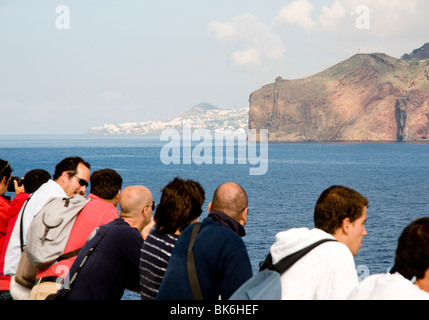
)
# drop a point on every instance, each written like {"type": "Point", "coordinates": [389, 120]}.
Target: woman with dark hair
{"type": "Point", "coordinates": [180, 206]}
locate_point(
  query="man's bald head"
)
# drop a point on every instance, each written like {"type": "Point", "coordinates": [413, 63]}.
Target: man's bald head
{"type": "Point", "coordinates": [133, 200]}
{"type": "Point", "coordinates": [231, 199]}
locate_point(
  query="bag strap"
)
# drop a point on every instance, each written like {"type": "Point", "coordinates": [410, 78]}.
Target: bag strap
{"type": "Point", "coordinates": [61, 293]}
{"type": "Point", "coordinates": [287, 262]}
{"type": "Point", "coordinates": [21, 229]}
{"type": "Point", "coordinates": [192, 272]}
{"type": "Point", "coordinates": [68, 255]}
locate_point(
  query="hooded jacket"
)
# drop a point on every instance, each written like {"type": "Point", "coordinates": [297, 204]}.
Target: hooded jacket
{"type": "Point", "coordinates": [327, 272]}
{"type": "Point", "coordinates": [388, 287]}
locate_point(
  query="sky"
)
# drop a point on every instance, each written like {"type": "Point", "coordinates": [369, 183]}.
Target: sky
{"type": "Point", "coordinates": [67, 66]}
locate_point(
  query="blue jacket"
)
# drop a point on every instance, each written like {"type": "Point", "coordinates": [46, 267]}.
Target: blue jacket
{"type": "Point", "coordinates": [221, 261]}
{"type": "Point", "coordinates": [112, 268]}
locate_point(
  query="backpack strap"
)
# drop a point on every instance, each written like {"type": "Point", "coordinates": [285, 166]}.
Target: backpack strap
{"type": "Point", "coordinates": [21, 227]}
{"type": "Point", "coordinates": [68, 255]}
{"type": "Point", "coordinates": [287, 262]}
{"type": "Point", "coordinates": [192, 272]}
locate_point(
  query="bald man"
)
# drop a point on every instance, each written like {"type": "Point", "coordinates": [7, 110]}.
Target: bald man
{"type": "Point", "coordinates": [221, 259]}
{"type": "Point", "coordinates": [136, 206]}
{"type": "Point", "coordinates": [114, 264]}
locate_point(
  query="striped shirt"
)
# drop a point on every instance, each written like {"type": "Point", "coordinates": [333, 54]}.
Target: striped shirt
{"type": "Point", "coordinates": [154, 257]}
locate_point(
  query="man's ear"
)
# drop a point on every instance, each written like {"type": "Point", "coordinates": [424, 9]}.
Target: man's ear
{"type": "Point", "coordinates": [345, 226]}
{"type": "Point", "coordinates": [210, 207]}
{"type": "Point", "coordinates": [244, 216]}
{"type": "Point", "coordinates": [245, 212]}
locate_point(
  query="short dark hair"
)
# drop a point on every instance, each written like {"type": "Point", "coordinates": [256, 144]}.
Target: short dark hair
{"type": "Point", "coordinates": [105, 183]}
{"type": "Point", "coordinates": [336, 204]}
{"type": "Point", "coordinates": [181, 202]}
{"type": "Point", "coordinates": [412, 253]}
{"type": "Point", "coordinates": [69, 164]}
{"type": "Point", "coordinates": [5, 169]}
{"type": "Point", "coordinates": [33, 179]}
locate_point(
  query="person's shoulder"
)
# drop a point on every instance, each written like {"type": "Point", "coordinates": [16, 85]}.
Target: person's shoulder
{"type": "Point", "coordinates": [225, 238]}
{"type": "Point", "coordinates": [333, 249]}
{"type": "Point", "coordinates": [20, 198]}
{"type": "Point", "coordinates": [97, 203]}
{"type": "Point", "coordinates": [4, 203]}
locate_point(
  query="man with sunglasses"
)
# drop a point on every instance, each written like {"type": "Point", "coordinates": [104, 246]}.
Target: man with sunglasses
{"type": "Point", "coordinates": [106, 186]}
{"type": "Point", "coordinates": [71, 177]}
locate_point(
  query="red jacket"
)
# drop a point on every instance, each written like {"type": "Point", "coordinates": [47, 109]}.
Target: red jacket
{"type": "Point", "coordinates": [4, 218]}
{"type": "Point", "coordinates": [14, 208]}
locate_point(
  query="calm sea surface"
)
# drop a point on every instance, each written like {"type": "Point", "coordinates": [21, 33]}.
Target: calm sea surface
{"type": "Point", "coordinates": [394, 177]}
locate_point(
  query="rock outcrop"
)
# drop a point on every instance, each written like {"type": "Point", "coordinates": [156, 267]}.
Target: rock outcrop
{"type": "Point", "coordinates": [368, 97]}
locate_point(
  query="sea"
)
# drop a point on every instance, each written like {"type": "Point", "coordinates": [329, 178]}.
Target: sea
{"type": "Point", "coordinates": [393, 176]}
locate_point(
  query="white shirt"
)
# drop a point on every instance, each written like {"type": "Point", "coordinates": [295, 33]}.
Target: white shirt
{"type": "Point", "coordinates": [327, 272]}
{"type": "Point", "coordinates": [38, 199]}
{"type": "Point", "coordinates": [387, 287]}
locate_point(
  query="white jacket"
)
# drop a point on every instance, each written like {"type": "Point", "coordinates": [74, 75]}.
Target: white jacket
{"type": "Point", "coordinates": [387, 287]}
{"type": "Point", "coordinates": [39, 198]}
{"type": "Point", "coordinates": [326, 272]}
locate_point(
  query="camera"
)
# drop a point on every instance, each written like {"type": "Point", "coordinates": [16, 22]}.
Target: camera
{"type": "Point", "coordinates": [11, 186]}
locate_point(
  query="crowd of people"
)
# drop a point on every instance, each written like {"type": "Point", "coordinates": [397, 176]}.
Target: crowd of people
{"type": "Point", "coordinates": [163, 252]}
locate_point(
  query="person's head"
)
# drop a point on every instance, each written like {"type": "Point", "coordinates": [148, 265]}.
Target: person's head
{"type": "Point", "coordinates": [341, 211]}
{"type": "Point", "coordinates": [180, 205]}
{"type": "Point", "coordinates": [136, 206]}
{"type": "Point", "coordinates": [5, 175]}
{"type": "Point", "coordinates": [73, 174]}
{"type": "Point", "coordinates": [106, 184]}
{"type": "Point", "coordinates": [33, 179]}
{"type": "Point", "coordinates": [412, 253]}
{"type": "Point", "coordinates": [231, 199]}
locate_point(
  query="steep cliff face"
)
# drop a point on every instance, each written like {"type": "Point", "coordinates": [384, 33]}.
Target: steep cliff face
{"type": "Point", "coordinates": [369, 97]}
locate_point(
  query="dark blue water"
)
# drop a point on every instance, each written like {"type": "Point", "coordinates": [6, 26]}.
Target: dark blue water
{"type": "Point", "coordinates": [394, 176]}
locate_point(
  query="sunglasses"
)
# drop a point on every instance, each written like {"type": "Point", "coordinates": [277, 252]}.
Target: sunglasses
{"type": "Point", "coordinates": [82, 182]}
{"type": "Point", "coordinates": [153, 205]}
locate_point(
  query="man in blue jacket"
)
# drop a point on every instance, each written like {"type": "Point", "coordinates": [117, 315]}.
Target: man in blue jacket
{"type": "Point", "coordinates": [221, 260]}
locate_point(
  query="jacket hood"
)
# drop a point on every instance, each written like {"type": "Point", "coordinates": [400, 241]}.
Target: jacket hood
{"type": "Point", "coordinates": [387, 287]}
{"type": "Point", "coordinates": [290, 241]}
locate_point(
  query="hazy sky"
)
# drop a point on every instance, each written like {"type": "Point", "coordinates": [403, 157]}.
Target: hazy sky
{"type": "Point", "coordinates": [66, 66]}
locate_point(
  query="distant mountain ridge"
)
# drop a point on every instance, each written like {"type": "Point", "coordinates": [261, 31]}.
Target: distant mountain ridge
{"type": "Point", "coordinates": [368, 97]}
{"type": "Point", "coordinates": [420, 53]}
{"type": "Point", "coordinates": [202, 116]}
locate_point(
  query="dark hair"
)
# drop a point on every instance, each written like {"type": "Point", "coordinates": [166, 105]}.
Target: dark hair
{"type": "Point", "coordinates": [181, 202]}
{"type": "Point", "coordinates": [5, 169]}
{"type": "Point", "coordinates": [33, 179]}
{"type": "Point", "coordinates": [336, 204]}
{"type": "Point", "coordinates": [412, 253]}
{"type": "Point", "coordinates": [105, 183]}
{"type": "Point", "coordinates": [69, 164]}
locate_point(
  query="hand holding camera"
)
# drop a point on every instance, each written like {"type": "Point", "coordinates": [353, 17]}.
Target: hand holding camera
{"type": "Point", "coordinates": [16, 185]}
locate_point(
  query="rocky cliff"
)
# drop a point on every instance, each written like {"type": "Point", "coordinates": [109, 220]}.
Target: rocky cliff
{"type": "Point", "coordinates": [368, 97]}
